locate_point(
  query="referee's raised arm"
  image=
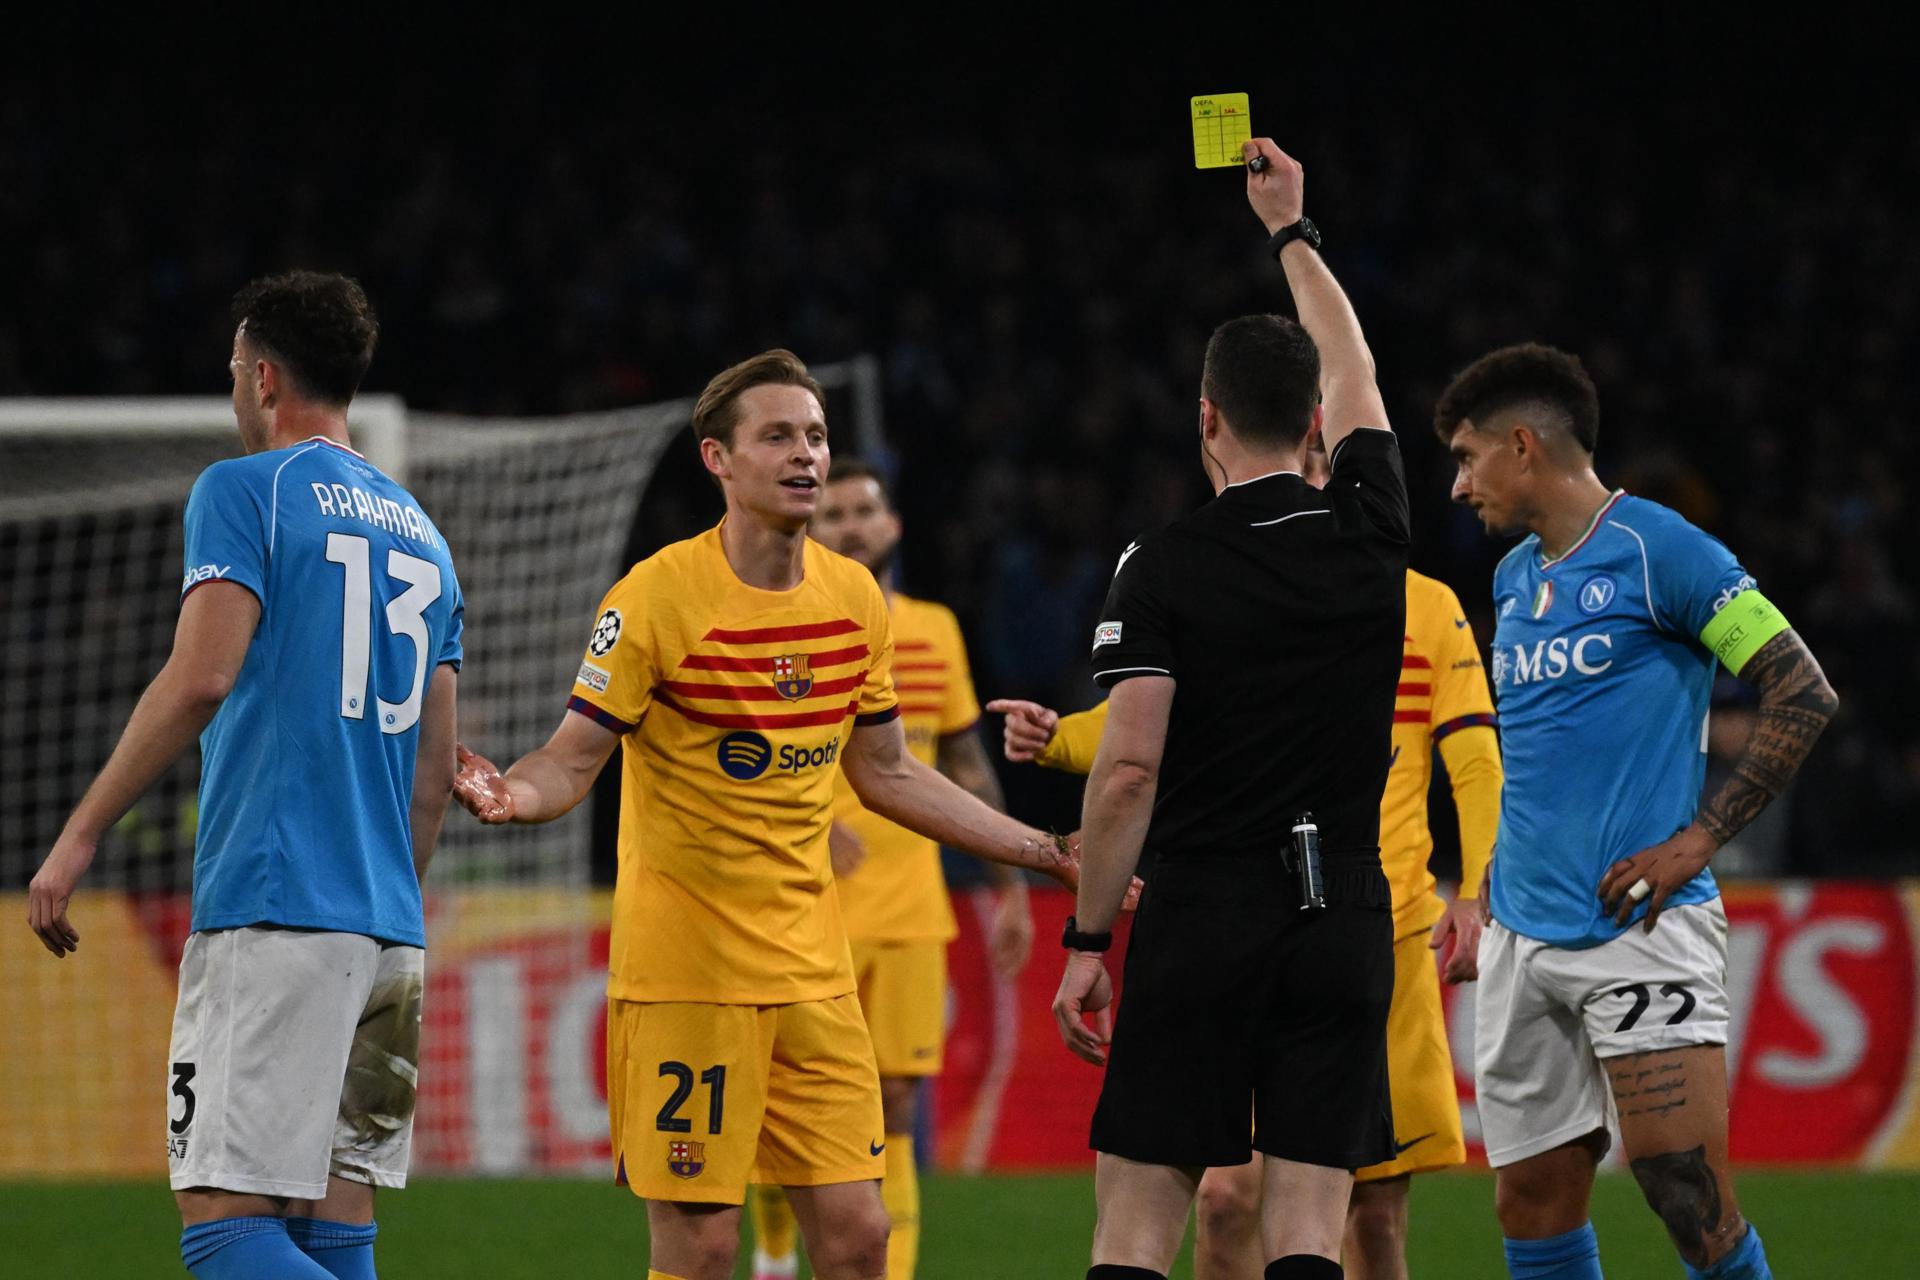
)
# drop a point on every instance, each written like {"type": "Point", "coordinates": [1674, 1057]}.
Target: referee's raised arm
{"type": "Point", "coordinates": [1350, 395]}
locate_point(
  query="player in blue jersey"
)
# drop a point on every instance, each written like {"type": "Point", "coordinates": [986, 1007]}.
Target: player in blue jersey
{"type": "Point", "coordinates": [1611, 615]}
{"type": "Point", "coordinates": [315, 656]}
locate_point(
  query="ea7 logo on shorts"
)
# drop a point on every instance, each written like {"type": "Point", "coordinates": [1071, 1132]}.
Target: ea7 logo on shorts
{"type": "Point", "coordinates": [606, 633]}
{"type": "Point", "coordinates": [686, 1159]}
{"type": "Point", "coordinates": [595, 678]}
{"type": "Point", "coordinates": [205, 573]}
{"type": "Point", "coordinates": [1107, 633]}
{"type": "Point", "coordinates": [744, 755]}
{"type": "Point", "coordinates": [1596, 593]}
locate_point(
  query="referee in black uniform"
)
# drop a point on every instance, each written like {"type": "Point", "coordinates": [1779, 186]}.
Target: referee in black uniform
{"type": "Point", "coordinates": [1252, 650]}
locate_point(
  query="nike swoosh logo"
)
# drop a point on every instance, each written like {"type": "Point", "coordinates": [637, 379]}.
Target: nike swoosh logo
{"type": "Point", "coordinates": [1461, 623]}
{"type": "Point", "coordinates": [1399, 1148]}
{"type": "Point", "coordinates": [1124, 557]}
{"type": "Point", "coordinates": [875, 1148]}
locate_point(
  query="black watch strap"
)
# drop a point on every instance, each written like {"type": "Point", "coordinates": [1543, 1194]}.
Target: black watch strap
{"type": "Point", "coordinates": [1073, 940]}
{"type": "Point", "coordinates": [1301, 230]}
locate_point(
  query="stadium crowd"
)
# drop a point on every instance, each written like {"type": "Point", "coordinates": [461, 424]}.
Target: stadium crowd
{"type": "Point", "coordinates": [1750, 325]}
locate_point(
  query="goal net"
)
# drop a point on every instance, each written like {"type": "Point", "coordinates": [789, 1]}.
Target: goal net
{"type": "Point", "coordinates": [538, 513]}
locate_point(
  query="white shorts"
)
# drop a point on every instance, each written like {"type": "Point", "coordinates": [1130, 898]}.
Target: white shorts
{"type": "Point", "coordinates": [1545, 1016]}
{"type": "Point", "coordinates": [294, 1055]}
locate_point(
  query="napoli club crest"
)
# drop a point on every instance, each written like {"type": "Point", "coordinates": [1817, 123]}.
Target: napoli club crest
{"type": "Point", "coordinates": [793, 676]}
{"type": "Point", "coordinates": [686, 1159]}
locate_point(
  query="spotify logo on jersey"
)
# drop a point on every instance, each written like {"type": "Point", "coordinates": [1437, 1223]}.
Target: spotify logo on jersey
{"type": "Point", "coordinates": [744, 755]}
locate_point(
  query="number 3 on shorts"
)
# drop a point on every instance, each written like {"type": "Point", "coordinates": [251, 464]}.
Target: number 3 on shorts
{"type": "Point", "coordinates": [715, 1078]}
{"type": "Point", "coordinates": [182, 1076]}
{"type": "Point", "coordinates": [1637, 992]}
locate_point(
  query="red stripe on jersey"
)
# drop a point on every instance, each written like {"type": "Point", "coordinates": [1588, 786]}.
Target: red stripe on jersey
{"type": "Point", "coordinates": [724, 662]}
{"type": "Point", "coordinates": [1413, 717]}
{"type": "Point", "coordinates": [921, 709]}
{"type": "Point", "coordinates": [769, 635]}
{"type": "Point", "coordinates": [1415, 662]}
{"type": "Point", "coordinates": [758, 692]}
{"type": "Point", "coordinates": [802, 720]}
{"type": "Point", "coordinates": [1414, 690]}
{"type": "Point", "coordinates": [913, 646]}
{"type": "Point", "coordinates": [919, 666]}
{"type": "Point", "coordinates": [905, 686]}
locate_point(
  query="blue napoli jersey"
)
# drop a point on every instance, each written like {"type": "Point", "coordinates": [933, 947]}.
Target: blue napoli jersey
{"type": "Point", "coordinates": [306, 774]}
{"type": "Point", "coordinates": [1602, 682]}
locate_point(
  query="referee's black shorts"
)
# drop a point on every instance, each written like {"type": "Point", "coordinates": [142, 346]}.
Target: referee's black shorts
{"type": "Point", "coordinates": [1235, 998]}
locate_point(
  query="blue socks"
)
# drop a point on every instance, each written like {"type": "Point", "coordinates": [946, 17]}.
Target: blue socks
{"type": "Point", "coordinates": [346, 1251]}
{"type": "Point", "coordinates": [1748, 1261]}
{"type": "Point", "coordinates": [1573, 1256]}
{"type": "Point", "coordinates": [246, 1249]}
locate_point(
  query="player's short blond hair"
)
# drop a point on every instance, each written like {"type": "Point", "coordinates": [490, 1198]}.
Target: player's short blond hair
{"type": "Point", "coordinates": [713, 413]}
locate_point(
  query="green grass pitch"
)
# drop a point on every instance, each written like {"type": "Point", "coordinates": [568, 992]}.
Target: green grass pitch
{"type": "Point", "coordinates": [1010, 1228]}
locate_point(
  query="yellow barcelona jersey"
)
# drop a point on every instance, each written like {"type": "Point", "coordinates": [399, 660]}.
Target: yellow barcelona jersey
{"type": "Point", "coordinates": [898, 894]}
{"type": "Point", "coordinates": [1442, 696]}
{"type": "Point", "coordinates": [1443, 702]}
{"type": "Point", "coordinates": [734, 705]}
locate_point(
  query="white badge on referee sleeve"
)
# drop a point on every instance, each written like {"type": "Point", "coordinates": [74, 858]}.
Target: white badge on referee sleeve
{"type": "Point", "coordinates": [1106, 633]}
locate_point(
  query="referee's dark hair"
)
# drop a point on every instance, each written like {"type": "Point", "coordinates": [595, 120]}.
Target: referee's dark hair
{"type": "Point", "coordinates": [1551, 380]}
{"type": "Point", "coordinates": [316, 325]}
{"type": "Point", "coordinates": [1263, 372]}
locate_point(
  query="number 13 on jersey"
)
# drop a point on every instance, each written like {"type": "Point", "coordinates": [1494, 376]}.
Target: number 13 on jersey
{"type": "Point", "coordinates": [404, 616]}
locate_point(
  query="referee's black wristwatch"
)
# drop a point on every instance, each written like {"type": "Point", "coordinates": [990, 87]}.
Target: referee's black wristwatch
{"type": "Point", "coordinates": [1301, 230]}
{"type": "Point", "coordinates": [1073, 940]}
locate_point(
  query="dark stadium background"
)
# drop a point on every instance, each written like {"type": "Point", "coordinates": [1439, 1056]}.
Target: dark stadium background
{"type": "Point", "coordinates": [1720, 220]}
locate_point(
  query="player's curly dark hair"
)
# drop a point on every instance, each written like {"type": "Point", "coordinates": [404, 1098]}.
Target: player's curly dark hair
{"type": "Point", "coordinates": [1532, 374]}
{"type": "Point", "coordinates": [1263, 373]}
{"type": "Point", "coordinates": [318, 326]}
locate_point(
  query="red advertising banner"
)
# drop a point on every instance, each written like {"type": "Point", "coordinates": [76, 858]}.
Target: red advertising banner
{"type": "Point", "coordinates": [1824, 980]}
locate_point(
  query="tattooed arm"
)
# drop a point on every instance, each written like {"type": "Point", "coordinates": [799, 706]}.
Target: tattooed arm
{"type": "Point", "coordinates": [1796, 703]}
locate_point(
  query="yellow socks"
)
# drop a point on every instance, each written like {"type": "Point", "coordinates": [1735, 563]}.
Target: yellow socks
{"type": "Point", "coordinates": [900, 1193]}
{"type": "Point", "coordinates": [775, 1232]}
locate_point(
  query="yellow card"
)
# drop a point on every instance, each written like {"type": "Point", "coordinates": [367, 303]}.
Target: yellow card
{"type": "Point", "coordinates": [1221, 122]}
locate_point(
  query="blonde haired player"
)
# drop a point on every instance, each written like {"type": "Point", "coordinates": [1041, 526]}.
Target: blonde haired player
{"type": "Point", "coordinates": [741, 671]}
{"type": "Point", "coordinates": [1443, 701]}
{"type": "Point", "coordinates": [892, 892]}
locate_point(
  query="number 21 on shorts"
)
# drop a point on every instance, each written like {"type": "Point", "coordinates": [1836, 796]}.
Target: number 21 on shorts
{"type": "Point", "coordinates": [715, 1078]}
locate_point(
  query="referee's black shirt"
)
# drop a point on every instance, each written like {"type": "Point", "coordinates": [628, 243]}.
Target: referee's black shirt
{"type": "Point", "coordinates": [1279, 611]}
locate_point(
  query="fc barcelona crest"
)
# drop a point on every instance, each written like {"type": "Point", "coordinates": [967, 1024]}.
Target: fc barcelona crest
{"type": "Point", "coordinates": [686, 1159]}
{"type": "Point", "coordinates": [793, 676]}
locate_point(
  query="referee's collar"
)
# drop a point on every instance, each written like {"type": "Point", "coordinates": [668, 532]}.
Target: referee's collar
{"type": "Point", "coordinates": [1257, 479]}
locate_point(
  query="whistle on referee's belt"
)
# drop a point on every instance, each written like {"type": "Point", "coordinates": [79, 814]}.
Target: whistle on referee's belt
{"type": "Point", "coordinates": [1303, 859]}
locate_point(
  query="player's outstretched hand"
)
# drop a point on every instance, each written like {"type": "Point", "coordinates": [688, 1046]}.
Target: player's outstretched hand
{"type": "Point", "coordinates": [1662, 869]}
{"type": "Point", "coordinates": [481, 789]}
{"type": "Point", "coordinates": [1028, 729]}
{"type": "Point", "coordinates": [50, 891]}
{"type": "Point", "coordinates": [845, 849]}
{"type": "Point", "coordinates": [1461, 926]}
{"type": "Point", "coordinates": [1085, 988]}
{"type": "Point", "coordinates": [1277, 192]}
{"type": "Point", "coordinates": [1066, 869]}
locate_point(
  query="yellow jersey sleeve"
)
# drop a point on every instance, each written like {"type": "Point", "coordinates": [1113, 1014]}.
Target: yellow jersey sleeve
{"type": "Point", "coordinates": [877, 702]}
{"type": "Point", "coordinates": [1463, 729]}
{"type": "Point", "coordinates": [1075, 741]}
{"type": "Point", "coordinates": [619, 670]}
